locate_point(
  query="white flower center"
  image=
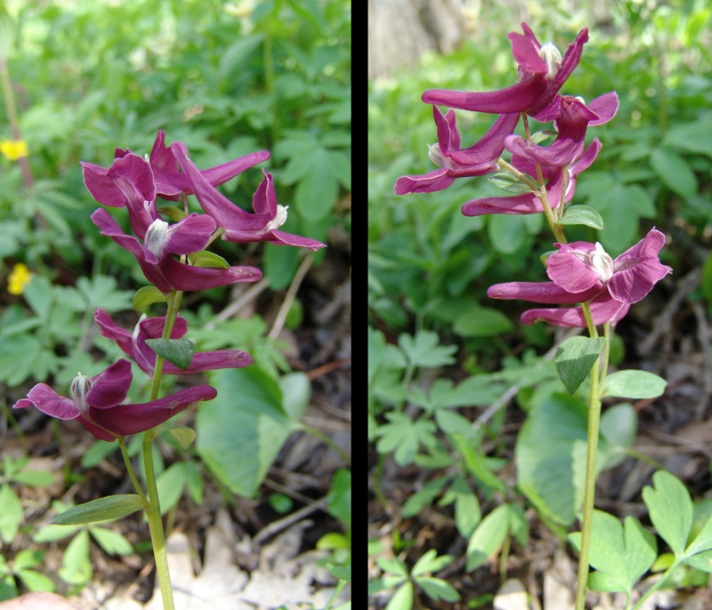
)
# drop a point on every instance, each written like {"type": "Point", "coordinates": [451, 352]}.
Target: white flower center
{"type": "Point", "coordinates": [279, 218]}
{"type": "Point", "coordinates": [602, 263]}
{"type": "Point", "coordinates": [550, 54]}
{"type": "Point", "coordinates": [436, 155]}
{"type": "Point", "coordinates": [156, 236]}
{"type": "Point", "coordinates": [80, 387]}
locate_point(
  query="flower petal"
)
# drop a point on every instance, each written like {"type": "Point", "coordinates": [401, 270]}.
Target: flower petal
{"type": "Point", "coordinates": [110, 387]}
{"type": "Point", "coordinates": [45, 399]}
{"type": "Point", "coordinates": [134, 418]}
{"type": "Point", "coordinates": [568, 267]}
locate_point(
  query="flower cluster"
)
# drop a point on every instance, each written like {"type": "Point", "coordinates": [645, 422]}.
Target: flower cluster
{"type": "Point", "coordinates": [579, 272]}
{"type": "Point", "coordinates": [168, 254]}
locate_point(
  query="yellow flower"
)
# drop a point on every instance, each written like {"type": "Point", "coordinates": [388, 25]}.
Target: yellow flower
{"type": "Point", "coordinates": [19, 278]}
{"type": "Point", "coordinates": [14, 149]}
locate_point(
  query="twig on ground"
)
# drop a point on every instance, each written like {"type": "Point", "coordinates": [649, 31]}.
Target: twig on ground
{"type": "Point", "coordinates": [290, 296]}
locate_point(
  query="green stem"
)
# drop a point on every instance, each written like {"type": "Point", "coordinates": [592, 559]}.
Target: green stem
{"type": "Point", "coordinates": [132, 473]}
{"type": "Point", "coordinates": [658, 583]}
{"type": "Point", "coordinates": [153, 512]}
{"type": "Point", "coordinates": [598, 374]}
{"type": "Point", "coordinates": [11, 111]}
{"type": "Point", "coordinates": [327, 440]}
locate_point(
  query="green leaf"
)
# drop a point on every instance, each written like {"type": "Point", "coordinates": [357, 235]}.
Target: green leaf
{"type": "Point", "coordinates": [670, 509]}
{"type": "Point", "coordinates": [102, 509]}
{"type": "Point", "coordinates": [76, 567]}
{"type": "Point", "coordinates": [574, 359]}
{"type": "Point", "coordinates": [488, 537]}
{"type": "Point", "coordinates": [619, 426]}
{"type": "Point", "coordinates": [102, 291]}
{"type": "Point", "coordinates": [173, 212]}
{"type": "Point", "coordinates": [171, 483]}
{"type": "Point", "coordinates": [403, 437]}
{"type": "Point", "coordinates": [634, 384]}
{"type": "Point", "coordinates": [545, 446]}
{"type": "Point", "coordinates": [438, 589]}
{"type": "Point", "coordinates": [425, 350]}
{"type": "Point", "coordinates": [430, 563]}
{"type": "Point", "coordinates": [147, 295]}
{"type": "Point", "coordinates": [113, 543]}
{"type": "Point", "coordinates": [208, 259]}
{"type": "Point", "coordinates": [508, 182]}
{"type": "Point", "coordinates": [621, 553]}
{"type": "Point", "coordinates": [184, 435]}
{"type": "Point", "coordinates": [11, 514]}
{"type": "Point", "coordinates": [176, 351]}
{"type": "Point", "coordinates": [402, 599]}
{"type": "Point", "coordinates": [701, 561]}
{"type": "Point", "coordinates": [693, 137]}
{"type": "Point", "coordinates": [476, 463]}
{"type": "Point", "coordinates": [482, 322]}
{"type": "Point", "coordinates": [674, 172]}
{"type": "Point", "coordinates": [244, 428]}
{"type": "Point", "coordinates": [35, 581]}
{"type": "Point", "coordinates": [507, 232]}
{"type": "Point", "coordinates": [34, 478]}
{"type": "Point", "coordinates": [468, 513]}
{"type": "Point", "coordinates": [423, 497]}
{"type": "Point", "coordinates": [703, 539]}
{"type": "Point", "coordinates": [582, 215]}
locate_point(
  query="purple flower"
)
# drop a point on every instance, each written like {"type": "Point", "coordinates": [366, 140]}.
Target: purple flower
{"type": "Point", "coordinates": [134, 345]}
{"type": "Point", "coordinates": [128, 183]}
{"type": "Point", "coordinates": [542, 73]}
{"type": "Point", "coordinates": [192, 234]}
{"type": "Point", "coordinates": [455, 162]}
{"type": "Point", "coordinates": [530, 203]}
{"type": "Point", "coordinates": [97, 403]}
{"type": "Point", "coordinates": [583, 272]}
{"type": "Point", "coordinates": [164, 180]}
{"type": "Point", "coordinates": [239, 225]}
{"type": "Point", "coordinates": [170, 182]}
{"type": "Point", "coordinates": [571, 121]}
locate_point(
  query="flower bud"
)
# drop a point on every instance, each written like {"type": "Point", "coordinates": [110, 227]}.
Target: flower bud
{"type": "Point", "coordinates": [279, 219]}
{"type": "Point", "coordinates": [602, 263]}
{"type": "Point", "coordinates": [80, 387]}
{"type": "Point", "coordinates": [156, 236]}
{"type": "Point", "coordinates": [551, 55]}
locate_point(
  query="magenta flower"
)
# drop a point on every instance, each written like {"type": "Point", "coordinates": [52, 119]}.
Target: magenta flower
{"type": "Point", "coordinates": [192, 234]}
{"type": "Point", "coordinates": [170, 182]}
{"type": "Point", "coordinates": [572, 119]}
{"type": "Point", "coordinates": [542, 73]}
{"type": "Point", "coordinates": [128, 183]}
{"type": "Point", "coordinates": [584, 272]}
{"type": "Point", "coordinates": [165, 179]}
{"type": "Point", "coordinates": [97, 403]}
{"type": "Point", "coordinates": [455, 162]}
{"type": "Point", "coordinates": [530, 203]}
{"type": "Point", "coordinates": [239, 225]}
{"type": "Point", "coordinates": [134, 345]}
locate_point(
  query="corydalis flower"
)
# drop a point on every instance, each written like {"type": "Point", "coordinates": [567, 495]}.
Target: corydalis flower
{"type": "Point", "coordinates": [167, 181]}
{"type": "Point", "coordinates": [542, 72]}
{"type": "Point", "coordinates": [155, 258]}
{"type": "Point", "coordinates": [583, 272]}
{"type": "Point", "coordinates": [477, 160]}
{"type": "Point", "coordinates": [558, 179]}
{"type": "Point", "coordinates": [96, 403]}
{"type": "Point", "coordinates": [239, 225]}
{"type": "Point", "coordinates": [572, 119]}
{"type": "Point", "coordinates": [171, 183]}
{"type": "Point", "coordinates": [134, 345]}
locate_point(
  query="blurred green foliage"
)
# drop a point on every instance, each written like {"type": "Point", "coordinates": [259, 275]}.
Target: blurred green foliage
{"type": "Point", "coordinates": [225, 78]}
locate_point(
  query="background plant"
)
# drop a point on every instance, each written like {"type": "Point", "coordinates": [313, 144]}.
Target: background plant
{"type": "Point", "coordinates": [226, 78]}
{"type": "Point", "coordinates": [429, 268]}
